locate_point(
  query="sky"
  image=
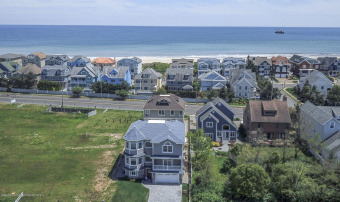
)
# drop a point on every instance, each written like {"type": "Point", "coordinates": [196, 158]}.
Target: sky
{"type": "Point", "coordinates": [266, 13]}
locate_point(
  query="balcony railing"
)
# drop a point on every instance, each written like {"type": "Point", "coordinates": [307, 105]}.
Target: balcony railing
{"type": "Point", "coordinates": [164, 167]}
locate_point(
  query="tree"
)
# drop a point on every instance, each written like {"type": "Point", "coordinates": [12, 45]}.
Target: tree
{"type": "Point", "coordinates": [267, 91]}
{"type": "Point", "coordinates": [157, 66]}
{"type": "Point", "coordinates": [243, 132]}
{"type": "Point", "coordinates": [77, 91]}
{"type": "Point", "coordinates": [161, 90]}
{"type": "Point", "coordinates": [230, 92]}
{"type": "Point", "coordinates": [49, 85]}
{"type": "Point", "coordinates": [211, 94]}
{"type": "Point", "coordinates": [196, 85]}
{"type": "Point", "coordinates": [223, 93]}
{"type": "Point", "coordinates": [274, 159]}
{"type": "Point", "coordinates": [122, 93]}
{"type": "Point", "coordinates": [334, 94]}
{"type": "Point", "coordinates": [251, 65]}
{"type": "Point", "coordinates": [247, 182]}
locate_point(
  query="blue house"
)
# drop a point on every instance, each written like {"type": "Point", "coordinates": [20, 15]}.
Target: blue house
{"type": "Point", "coordinates": [212, 80]}
{"type": "Point", "coordinates": [83, 77]}
{"type": "Point", "coordinates": [116, 75]}
{"type": "Point", "coordinates": [78, 61]}
{"type": "Point", "coordinates": [216, 118]}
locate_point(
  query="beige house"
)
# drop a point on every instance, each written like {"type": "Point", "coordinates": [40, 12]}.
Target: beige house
{"type": "Point", "coordinates": [148, 81]}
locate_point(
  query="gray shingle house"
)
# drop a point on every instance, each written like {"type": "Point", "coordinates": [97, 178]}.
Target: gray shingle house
{"type": "Point", "coordinates": [134, 63]}
{"type": "Point", "coordinates": [216, 118]}
{"type": "Point", "coordinates": [56, 60]}
{"type": "Point", "coordinates": [148, 81]}
{"type": "Point", "coordinates": [243, 83]}
{"type": "Point", "coordinates": [177, 78]}
{"type": "Point", "coordinates": [263, 65]}
{"type": "Point", "coordinates": [55, 73]}
{"type": "Point", "coordinates": [320, 126]}
{"type": "Point", "coordinates": [182, 63]}
{"type": "Point", "coordinates": [329, 65]}
{"type": "Point", "coordinates": [317, 79]}
{"type": "Point", "coordinates": [205, 65]}
{"type": "Point", "coordinates": [12, 57]}
{"type": "Point", "coordinates": [154, 149]}
{"type": "Point", "coordinates": [232, 63]}
{"type": "Point", "coordinates": [83, 77]}
{"type": "Point", "coordinates": [35, 58]}
{"type": "Point", "coordinates": [164, 107]}
{"type": "Point", "coordinates": [212, 80]}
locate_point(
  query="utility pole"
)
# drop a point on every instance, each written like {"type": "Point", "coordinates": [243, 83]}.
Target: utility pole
{"type": "Point", "coordinates": [62, 95]}
{"type": "Point", "coordinates": [271, 94]}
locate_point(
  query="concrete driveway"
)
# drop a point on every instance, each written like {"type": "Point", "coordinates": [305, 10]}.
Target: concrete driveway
{"type": "Point", "coordinates": [164, 193]}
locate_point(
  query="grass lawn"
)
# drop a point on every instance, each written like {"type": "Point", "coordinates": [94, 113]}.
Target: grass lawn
{"type": "Point", "coordinates": [130, 191]}
{"type": "Point", "coordinates": [51, 155]}
{"type": "Point", "coordinates": [291, 91]}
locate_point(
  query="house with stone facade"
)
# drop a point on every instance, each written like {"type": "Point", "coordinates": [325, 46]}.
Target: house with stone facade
{"type": "Point", "coordinates": [154, 150]}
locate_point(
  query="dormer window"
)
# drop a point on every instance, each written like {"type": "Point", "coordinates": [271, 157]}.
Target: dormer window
{"type": "Point", "coordinates": [269, 113]}
{"type": "Point", "coordinates": [171, 77]}
{"type": "Point", "coordinates": [163, 102]}
{"type": "Point", "coordinates": [332, 124]}
{"type": "Point", "coordinates": [186, 77]}
{"type": "Point", "coordinates": [167, 147]}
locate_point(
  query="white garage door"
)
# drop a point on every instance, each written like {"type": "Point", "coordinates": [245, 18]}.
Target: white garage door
{"type": "Point", "coordinates": [167, 178]}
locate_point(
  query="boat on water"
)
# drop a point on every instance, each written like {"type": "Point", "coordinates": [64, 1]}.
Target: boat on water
{"type": "Point", "coordinates": [279, 31]}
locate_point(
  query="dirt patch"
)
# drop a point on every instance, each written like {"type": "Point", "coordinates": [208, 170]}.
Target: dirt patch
{"type": "Point", "coordinates": [101, 180]}
{"type": "Point", "coordinates": [94, 147]}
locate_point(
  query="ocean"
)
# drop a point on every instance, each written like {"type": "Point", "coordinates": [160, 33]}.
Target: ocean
{"type": "Point", "coordinates": [121, 41]}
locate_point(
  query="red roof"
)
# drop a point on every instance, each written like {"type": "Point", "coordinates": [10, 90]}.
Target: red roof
{"type": "Point", "coordinates": [104, 61]}
{"type": "Point", "coordinates": [276, 60]}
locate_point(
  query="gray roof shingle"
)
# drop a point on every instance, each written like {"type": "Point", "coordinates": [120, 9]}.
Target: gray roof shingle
{"type": "Point", "coordinates": [152, 72]}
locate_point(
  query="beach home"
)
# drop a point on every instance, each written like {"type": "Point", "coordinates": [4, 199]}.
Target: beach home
{"type": "Point", "coordinates": [320, 126]}
{"type": "Point", "coordinates": [243, 82]}
{"type": "Point", "coordinates": [78, 61]}
{"type": "Point", "coordinates": [281, 66]}
{"type": "Point", "coordinates": [263, 66]}
{"type": "Point", "coordinates": [116, 75]}
{"type": "Point", "coordinates": [154, 150]}
{"type": "Point", "coordinates": [8, 68]}
{"type": "Point", "coordinates": [232, 63]}
{"type": "Point", "coordinates": [60, 60]}
{"type": "Point", "coordinates": [148, 81]}
{"type": "Point", "coordinates": [83, 77]}
{"type": "Point", "coordinates": [164, 107]}
{"type": "Point", "coordinates": [59, 73]}
{"type": "Point", "coordinates": [206, 65]}
{"type": "Point", "coordinates": [212, 81]}
{"type": "Point", "coordinates": [302, 66]}
{"type": "Point", "coordinates": [216, 118]}
{"type": "Point", "coordinates": [317, 79]}
{"type": "Point", "coordinates": [29, 68]}
{"type": "Point", "coordinates": [177, 78]}
{"type": "Point", "coordinates": [134, 63]}
{"type": "Point", "coordinates": [12, 57]}
{"type": "Point", "coordinates": [329, 65]}
{"type": "Point", "coordinates": [182, 63]}
{"type": "Point", "coordinates": [270, 118]}
{"type": "Point", "coordinates": [103, 62]}
{"type": "Point", "coordinates": [37, 58]}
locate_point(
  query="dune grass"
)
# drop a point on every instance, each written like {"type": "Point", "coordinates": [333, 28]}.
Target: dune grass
{"type": "Point", "coordinates": [37, 155]}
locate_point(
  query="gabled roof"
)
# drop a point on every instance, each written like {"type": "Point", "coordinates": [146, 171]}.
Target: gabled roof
{"type": "Point", "coordinates": [217, 86]}
{"type": "Point", "coordinates": [299, 59]}
{"type": "Point", "coordinates": [314, 77]}
{"type": "Point", "coordinates": [52, 70]}
{"type": "Point", "coordinates": [259, 60]}
{"type": "Point", "coordinates": [121, 71]}
{"type": "Point", "coordinates": [238, 75]}
{"type": "Point", "coordinates": [9, 56]}
{"type": "Point", "coordinates": [75, 58]}
{"type": "Point", "coordinates": [180, 73]}
{"type": "Point", "coordinates": [319, 114]}
{"type": "Point", "coordinates": [175, 102]}
{"type": "Point", "coordinates": [326, 61]}
{"type": "Point", "coordinates": [277, 60]}
{"type": "Point", "coordinates": [8, 66]}
{"type": "Point", "coordinates": [136, 59]}
{"type": "Point", "coordinates": [30, 68]}
{"type": "Point", "coordinates": [89, 69]}
{"type": "Point", "coordinates": [104, 61]}
{"type": "Point", "coordinates": [40, 55]}
{"type": "Point", "coordinates": [152, 72]}
{"type": "Point", "coordinates": [212, 75]}
{"type": "Point", "coordinates": [62, 57]}
{"type": "Point", "coordinates": [156, 131]}
{"type": "Point", "coordinates": [256, 108]}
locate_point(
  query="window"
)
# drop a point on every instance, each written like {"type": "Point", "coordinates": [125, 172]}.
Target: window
{"type": "Point", "coordinates": [210, 135]}
{"type": "Point", "coordinates": [246, 88]}
{"type": "Point", "coordinates": [126, 145]}
{"type": "Point", "coordinates": [240, 87]}
{"type": "Point", "coordinates": [259, 125]}
{"type": "Point", "coordinates": [133, 173]}
{"type": "Point", "coordinates": [209, 124]}
{"type": "Point", "coordinates": [304, 66]}
{"type": "Point", "coordinates": [140, 160]}
{"type": "Point", "coordinates": [167, 147]}
{"type": "Point", "coordinates": [126, 160]}
{"type": "Point", "coordinates": [140, 145]}
{"type": "Point", "coordinates": [145, 81]}
{"type": "Point", "coordinates": [137, 81]}
{"type": "Point", "coordinates": [172, 113]}
{"type": "Point", "coordinates": [219, 104]}
{"type": "Point", "coordinates": [151, 81]}
{"type": "Point", "coordinates": [332, 124]}
{"type": "Point", "coordinates": [226, 127]}
{"type": "Point", "coordinates": [147, 111]}
{"type": "Point", "coordinates": [316, 66]}
{"type": "Point", "coordinates": [219, 134]}
{"type": "Point", "coordinates": [245, 94]}
{"type": "Point", "coordinates": [132, 145]}
{"type": "Point", "coordinates": [239, 94]}
{"type": "Point", "coordinates": [133, 161]}
{"type": "Point", "coordinates": [161, 113]}
{"type": "Point", "coordinates": [147, 159]}
{"type": "Point", "coordinates": [180, 113]}
{"type": "Point", "coordinates": [148, 144]}
{"type": "Point", "coordinates": [232, 134]}
{"type": "Point", "coordinates": [321, 87]}
{"type": "Point", "coordinates": [277, 126]}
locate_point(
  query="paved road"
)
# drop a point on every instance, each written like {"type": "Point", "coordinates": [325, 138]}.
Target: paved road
{"type": "Point", "coordinates": [92, 102]}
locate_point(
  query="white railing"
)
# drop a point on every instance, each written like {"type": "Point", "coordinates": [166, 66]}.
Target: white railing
{"type": "Point", "coordinates": [134, 151]}
{"type": "Point", "coordinates": [162, 167]}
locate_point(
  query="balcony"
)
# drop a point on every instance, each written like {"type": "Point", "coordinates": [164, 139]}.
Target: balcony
{"type": "Point", "coordinates": [134, 151]}
{"type": "Point", "coordinates": [166, 167]}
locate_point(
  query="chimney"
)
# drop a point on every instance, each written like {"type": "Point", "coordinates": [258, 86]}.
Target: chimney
{"type": "Point", "coordinates": [284, 98]}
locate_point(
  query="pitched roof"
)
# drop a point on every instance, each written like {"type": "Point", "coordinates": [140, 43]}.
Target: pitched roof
{"type": "Point", "coordinates": [40, 55]}
{"type": "Point", "coordinates": [30, 68]}
{"type": "Point", "coordinates": [174, 102]}
{"type": "Point", "coordinates": [156, 131]}
{"type": "Point", "coordinates": [277, 60]}
{"type": "Point", "coordinates": [319, 114]}
{"type": "Point", "coordinates": [8, 66]}
{"type": "Point", "coordinates": [212, 75]}
{"type": "Point", "coordinates": [152, 72]}
{"type": "Point", "coordinates": [88, 68]}
{"type": "Point", "coordinates": [63, 57]}
{"type": "Point", "coordinates": [257, 107]}
{"type": "Point", "coordinates": [326, 61]}
{"type": "Point", "coordinates": [259, 60]}
{"type": "Point", "coordinates": [238, 74]}
{"type": "Point", "coordinates": [299, 59]}
{"type": "Point", "coordinates": [180, 73]}
{"type": "Point", "coordinates": [75, 58]}
{"type": "Point", "coordinates": [11, 56]}
{"type": "Point", "coordinates": [52, 70]}
{"type": "Point", "coordinates": [104, 61]}
{"type": "Point", "coordinates": [314, 77]}
{"type": "Point", "coordinates": [121, 71]}
{"type": "Point", "coordinates": [136, 59]}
